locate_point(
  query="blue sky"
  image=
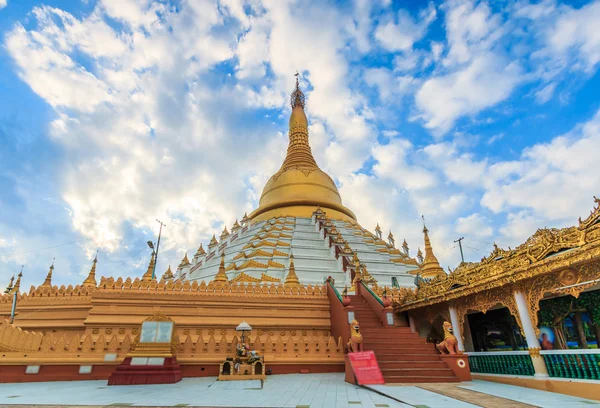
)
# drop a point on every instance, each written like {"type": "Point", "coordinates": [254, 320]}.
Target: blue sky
{"type": "Point", "coordinates": [483, 116]}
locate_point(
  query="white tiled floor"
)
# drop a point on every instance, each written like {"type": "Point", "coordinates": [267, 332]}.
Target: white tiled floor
{"type": "Point", "coordinates": [529, 396]}
{"type": "Point", "coordinates": [293, 390]}
{"type": "Point", "coordinates": [314, 390]}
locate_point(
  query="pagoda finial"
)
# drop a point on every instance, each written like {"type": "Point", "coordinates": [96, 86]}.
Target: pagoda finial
{"type": "Point", "coordinates": [291, 279]}
{"type": "Point", "coordinates": [419, 256]}
{"type": "Point", "coordinates": [90, 281]}
{"type": "Point", "coordinates": [297, 98]}
{"type": "Point", "coordinates": [405, 247]}
{"type": "Point", "coordinates": [48, 281]}
{"type": "Point", "coordinates": [431, 266]}
{"type": "Point", "coordinates": [147, 277]}
{"type": "Point", "coordinates": [391, 239]}
{"type": "Point", "coordinates": [224, 234]}
{"type": "Point", "coordinates": [221, 276]}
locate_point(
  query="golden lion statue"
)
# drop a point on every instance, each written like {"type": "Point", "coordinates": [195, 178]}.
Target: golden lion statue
{"type": "Point", "coordinates": [450, 344]}
{"type": "Point", "coordinates": [355, 341]}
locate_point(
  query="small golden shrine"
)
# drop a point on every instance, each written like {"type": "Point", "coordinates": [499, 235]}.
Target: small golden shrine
{"type": "Point", "coordinates": [246, 364]}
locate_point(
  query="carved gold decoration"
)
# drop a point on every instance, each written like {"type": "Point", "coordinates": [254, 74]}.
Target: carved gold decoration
{"type": "Point", "coordinates": [535, 351]}
{"type": "Point", "coordinates": [568, 277]}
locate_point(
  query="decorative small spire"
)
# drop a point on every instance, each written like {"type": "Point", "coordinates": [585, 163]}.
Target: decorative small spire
{"type": "Point", "coordinates": [405, 248]}
{"type": "Point", "coordinates": [245, 219]}
{"type": "Point", "coordinates": [90, 281]}
{"type": "Point", "coordinates": [431, 266]}
{"type": "Point", "coordinates": [420, 256]}
{"type": "Point", "coordinates": [224, 234]}
{"type": "Point", "coordinates": [168, 275]}
{"type": "Point", "coordinates": [236, 226]}
{"type": "Point", "coordinates": [221, 276]}
{"type": "Point", "coordinates": [185, 261]}
{"type": "Point", "coordinates": [378, 231]}
{"type": "Point", "coordinates": [391, 240]}
{"type": "Point", "coordinates": [48, 281]}
{"type": "Point", "coordinates": [213, 242]}
{"type": "Point", "coordinates": [147, 277]}
{"type": "Point", "coordinates": [292, 279]}
{"type": "Point", "coordinates": [10, 285]}
{"type": "Point", "coordinates": [199, 252]}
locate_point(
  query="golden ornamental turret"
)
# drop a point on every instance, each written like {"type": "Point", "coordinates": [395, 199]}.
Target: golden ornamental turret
{"type": "Point", "coordinates": [430, 267]}
{"type": "Point", "coordinates": [168, 275]}
{"type": "Point", "coordinates": [48, 281]}
{"type": "Point", "coordinates": [213, 243]}
{"type": "Point", "coordinates": [291, 279]}
{"type": "Point", "coordinates": [147, 277]}
{"type": "Point", "coordinates": [10, 285]}
{"type": "Point", "coordinates": [300, 186]}
{"type": "Point", "coordinates": [221, 276]}
{"type": "Point", "coordinates": [224, 234]}
{"type": "Point", "coordinates": [185, 261]}
{"type": "Point", "coordinates": [419, 256]}
{"type": "Point", "coordinates": [245, 219]}
{"type": "Point", "coordinates": [378, 231]}
{"type": "Point", "coordinates": [405, 248]}
{"type": "Point", "coordinates": [236, 227]}
{"type": "Point", "coordinates": [200, 251]}
{"type": "Point", "coordinates": [391, 240]}
{"type": "Point", "coordinates": [90, 281]}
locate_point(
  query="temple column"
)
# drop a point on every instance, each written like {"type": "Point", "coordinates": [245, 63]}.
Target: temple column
{"type": "Point", "coordinates": [456, 327]}
{"type": "Point", "coordinates": [539, 365]}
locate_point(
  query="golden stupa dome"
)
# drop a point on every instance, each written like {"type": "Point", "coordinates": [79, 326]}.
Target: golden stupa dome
{"type": "Point", "coordinates": [300, 186]}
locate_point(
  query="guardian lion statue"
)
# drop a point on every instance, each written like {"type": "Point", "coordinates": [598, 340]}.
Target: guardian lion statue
{"type": "Point", "coordinates": [355, 341]}
{"type": "Point", "coordinates": [450, 344]}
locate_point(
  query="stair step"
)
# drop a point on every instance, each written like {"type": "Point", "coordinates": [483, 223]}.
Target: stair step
{"type": "Point", "coordinates": [411, 364]}
{"type": "Point", "coordinates": [409, 357]}
{"type": "Point", "coordinates": [418, 379]}
{"type": "Point", "coordinates": [435, 372]}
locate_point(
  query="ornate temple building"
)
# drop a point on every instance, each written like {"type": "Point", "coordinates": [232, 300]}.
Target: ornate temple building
{"type": "Point", "coordinates": [299, 269]}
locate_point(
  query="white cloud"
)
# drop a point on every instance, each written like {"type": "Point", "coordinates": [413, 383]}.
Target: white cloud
{"type": "Point", "coordinates": [474, 225]}
{"type": "Point", "coordinates": [402, 36]}
{"type": "Point", "coordinates": [551, 179]}
{"type": "Point", "coordinates": [3, 3]}
{"type": "Point", "coordinates": [545, 94]}
{"type": "Point", "coordinates": [487, 80]}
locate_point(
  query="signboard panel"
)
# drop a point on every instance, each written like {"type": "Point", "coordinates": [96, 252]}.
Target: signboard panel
{"type": "Point", "coordinates": [365, 367]}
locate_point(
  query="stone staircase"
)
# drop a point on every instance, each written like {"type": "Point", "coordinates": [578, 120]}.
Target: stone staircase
{"type": "Point", "coordinates": [403, 356]}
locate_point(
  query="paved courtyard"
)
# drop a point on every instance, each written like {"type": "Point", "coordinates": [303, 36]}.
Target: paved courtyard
{"type": "Point", "coordinates": [293, 390]}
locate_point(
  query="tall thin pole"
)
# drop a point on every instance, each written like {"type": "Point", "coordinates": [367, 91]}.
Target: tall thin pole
{"type": "Point", "coordinates": [460, 246]}
{"type": "Point", "coordinates": [157, 245]}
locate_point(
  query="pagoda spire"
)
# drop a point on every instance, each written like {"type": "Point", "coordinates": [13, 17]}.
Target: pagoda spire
{"type": "Point", "coordinates": [48, 281]}
{"type": "Point", "coordinates": [147, 277]}
{"type": "Point", "coordinates": [199, 252]}
{"type": "Point", "coordinates": [90, 281]}
{"type": "Point", "coordinates": [10, 285]}
{"type": "Point", "coordinates": [221, 276]}
{"type": "Point", "coordinates": [291, 279]}
{"type": "Point", "coordinates": [431, 266]}
{"type": "Point", "coordinates": [168, 275]}
{"type": "Point", "coordinates": [299, 154]}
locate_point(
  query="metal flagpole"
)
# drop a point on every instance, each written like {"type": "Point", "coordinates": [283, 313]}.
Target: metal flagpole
{"type": "Point", "coordinates": [460, 246]}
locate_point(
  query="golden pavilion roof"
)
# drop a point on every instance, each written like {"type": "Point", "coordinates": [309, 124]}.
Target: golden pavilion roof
{"type": "Point", "coordinates": [300, 185]}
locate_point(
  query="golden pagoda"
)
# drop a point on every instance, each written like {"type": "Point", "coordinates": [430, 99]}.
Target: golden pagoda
{"type": "Point", "coordinates": [430, 267]}
{"type": "Point", "coordinates": [90, 281]}
{"type": "Point", "coordinates": [300, 185]}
